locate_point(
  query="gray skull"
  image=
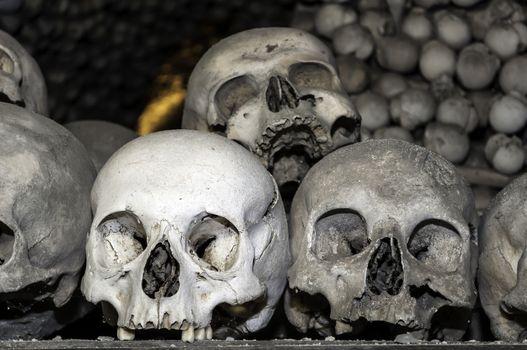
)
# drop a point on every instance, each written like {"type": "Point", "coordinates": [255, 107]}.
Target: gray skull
{"type": "Point", "coordinates": [101, 138]}
{"type": "Point", "coordinates": [502, 277]}
{"type": "Point", "coordinates": [21, 80]}
{"type": "Point", "coordinates": [382, 235]}
{"type": "Point", "coordinates": [276, 92]}
{"type": "Point", "coordinates": [45, 215]}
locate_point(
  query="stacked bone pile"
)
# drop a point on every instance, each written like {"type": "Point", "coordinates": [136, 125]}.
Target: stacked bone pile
{"type": "Point", "coordinates": [448, 75]}
{"type": "Point", "coordinates": [189, 232]}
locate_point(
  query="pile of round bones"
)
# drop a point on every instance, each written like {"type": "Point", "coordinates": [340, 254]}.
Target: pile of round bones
{"type": "Point", "coordinates": [439, 73]}
{"type": "Point", "coordinates": [136, 256]}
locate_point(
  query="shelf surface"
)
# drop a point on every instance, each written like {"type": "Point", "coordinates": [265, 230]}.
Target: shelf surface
{"type": "Point", "coordinates": [251, 344]}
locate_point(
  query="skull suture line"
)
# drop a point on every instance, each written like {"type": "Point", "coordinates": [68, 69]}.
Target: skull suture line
{"type": "Point", "coordinates": [189, 232]}
{"type": "Point", "coordinates": [45, 215]}
{"type": "Point", "coordinates": [502, 277]}
{"type": "Point", "coordinates": [21, 80]}
{"type": "Point", "coordinates": [381, 230]}
{"type": "Point", "coordinates": [276, 92]}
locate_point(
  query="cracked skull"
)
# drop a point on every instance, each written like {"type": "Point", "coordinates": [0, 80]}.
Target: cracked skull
{"type": "Point", "coordinates": [179, 242]}
{"type": "Point", "coordinates": [45, 215]}
{"type": "Point", "coordinates": [21, 81]}
{"type": "Point", "coordinates": [276, 92]}
{"type": "Point", "coordinates": [502, 276]}
{"type": "Point", "coordinates": [382, 238]}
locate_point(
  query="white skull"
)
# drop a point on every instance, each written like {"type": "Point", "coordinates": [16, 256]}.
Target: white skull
{"type": "Point", "coordinates": [276, 92]}
{"type": "Point", "coordinates": [21, 81]}
{"type": "Point", "coordinates": [45, 215]}
{"type": "Point", "coordinates": [189, 232]}
{"type": "Point", "coordinates": [381, 236]}
{"type": "Point", "coordinates": [502, 278]}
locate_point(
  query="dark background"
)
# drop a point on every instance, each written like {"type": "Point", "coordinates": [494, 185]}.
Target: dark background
{"type": "Point", "coordinates": [106, 59]}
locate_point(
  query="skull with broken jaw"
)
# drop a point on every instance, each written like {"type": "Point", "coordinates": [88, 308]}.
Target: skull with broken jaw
{"type": "Point", "coordinates": [21, 80]}
{"type": "Point", "coordinates": [381, 236]}
{"type": "Point", "coordinates": [276, 92]}
{"type": "Point", "coordinates": [45, 182]}
{"type": "Point", "coordinates": [503, 262]}
{"type": "Point", "coordinates": [189, 234]}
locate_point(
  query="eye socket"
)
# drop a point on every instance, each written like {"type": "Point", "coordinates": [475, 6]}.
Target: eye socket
{"type": "Point", "coordinates": [437, 244]}
{"type": "Point", "coordinates": [234, 94]}
{"type": "Point", "coordinates": [215, 241]}
{"type": "Point", "coordinates": [339, 234]}
{"type": "Point", "coordinates": [123, 237]}
{"type": "Point", "coordinates": [7, 242]}
{"type": "Point", "coordinates": [311, 75]}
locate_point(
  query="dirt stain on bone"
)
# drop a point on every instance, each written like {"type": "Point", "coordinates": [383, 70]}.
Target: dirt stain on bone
{"type": "Point", "coordinates": [270, 48]}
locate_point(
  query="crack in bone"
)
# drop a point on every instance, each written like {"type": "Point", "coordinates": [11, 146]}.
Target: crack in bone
{"type": "Point", "coordinates": [115, 255]}
{"type": "Point", "coordinates": [40, 240]}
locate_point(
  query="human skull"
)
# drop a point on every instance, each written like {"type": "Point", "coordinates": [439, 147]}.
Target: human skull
{"type": "Point", "coordinates": [101, 138]}
{"type": "Point", "coordinates": [276, 92]}
{"type": "Point", "coordinates": [189, 233]}
{"type": "Point", "coordinates": [45, 215]}
{"type": "Point", "coordinates": [502, 262]}
{"type": "Point", "coordinates": [382, 236]}
{"type": "Point", "coordinates": [21, 81]}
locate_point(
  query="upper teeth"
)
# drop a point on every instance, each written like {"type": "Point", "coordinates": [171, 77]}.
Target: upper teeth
{"type": "Point", "coordinates": [125, 333]}
{"type": "Point", "coordinates": [188, 335]}
{"type": "Point", "coordinates": [191, 334]}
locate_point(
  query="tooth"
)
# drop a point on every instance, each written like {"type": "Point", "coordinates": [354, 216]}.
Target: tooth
{"type": "Point", "coordinates": [188, 335]}
{"type": "Point", "coordinates": [184, 325]}
{"type": "Point", "coordinates": [166, 321]}
{"type": "Point", "coordinates": [125, 333]}
{"type": "Point", "coordinates": [208, 332]}
{"type": "Point", "coordinates": [270, 132]}
{"type": "Point", "coordinates": [175, 325]}
{"type": "Point", "coordinates": [200, 334]}
{"type": "Point", "coordinates": [341, 328]}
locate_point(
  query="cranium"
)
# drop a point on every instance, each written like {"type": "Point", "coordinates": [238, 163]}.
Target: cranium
{"type": "Point", "coordinates": [502, 262]}
{"type": "Point", "coordinates": [21, 80]}
{"type": "Point", "coordinates": [381, 235]}
{"type": "Point", "coordinates": [45, 215]}
{"type": "Point", "coordinates": [276, 92]}
{"type": "Point", "coordinates": [189, 233]}
{"type": "Point", "coordinates": [101, 138]}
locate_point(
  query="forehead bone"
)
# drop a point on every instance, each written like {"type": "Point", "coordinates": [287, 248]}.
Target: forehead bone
{"type": "Point", "coordinates": [393, 166]}
{"type": "Point", "coordinates": [263, 43]}
{"type": "Point", "coordinates": [24, 136]}
{"type": "Point", "coordinates": [184, 166]}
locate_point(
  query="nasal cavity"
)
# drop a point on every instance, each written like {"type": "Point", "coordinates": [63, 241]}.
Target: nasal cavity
{"type": "Point", "coordinates": [161, 274]}
{"type": "Point", "coordinates": [280, 94]}
{"type": "Point", "coordinates": [385, 271]}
